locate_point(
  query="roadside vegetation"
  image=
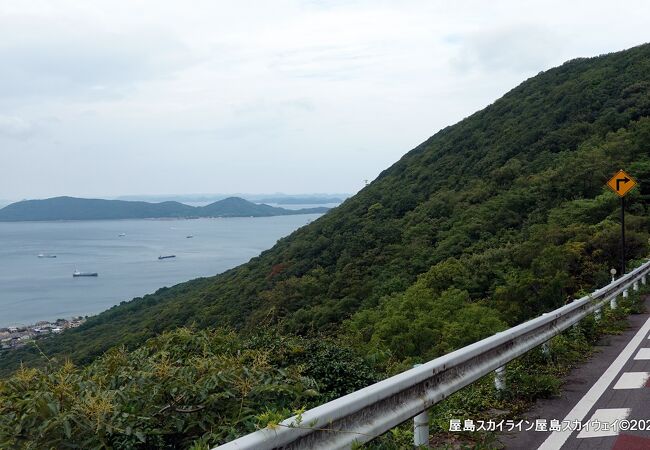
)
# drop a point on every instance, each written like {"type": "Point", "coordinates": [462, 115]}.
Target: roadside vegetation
{"type": "Point", "coordinates": [199, 388]}
{"type": "Point", "coordinates": [184, 389]}
{"type": "Point", "coordinates": [536, 375]}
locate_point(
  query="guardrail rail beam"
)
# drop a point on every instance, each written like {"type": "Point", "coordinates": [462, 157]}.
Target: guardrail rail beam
{"type": "Point", "coordinates": [370, 412]}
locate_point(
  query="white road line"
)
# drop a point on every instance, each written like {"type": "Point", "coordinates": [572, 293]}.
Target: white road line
{"type": "Point", "coordinates": [643, 353]}
{"type": "Point", "coordinates": [610, 416]}
{"type": "Point", "coordinates": [632, 380]}
{"type": "Point", "coordinates": [557, 439]}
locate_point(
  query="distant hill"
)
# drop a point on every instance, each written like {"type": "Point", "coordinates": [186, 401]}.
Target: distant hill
{"type": "Point", "coordinates": [238, 207]}
{"type": "Point", "coordinates": [71, 208]}
{"type": "Point", "coordinates": [279, 198]}
{"type": "Point", "coordinates": [303, 200]}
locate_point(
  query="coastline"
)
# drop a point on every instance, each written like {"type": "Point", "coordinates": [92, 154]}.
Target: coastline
{"type": "Point", "coordinates": [13, 337]}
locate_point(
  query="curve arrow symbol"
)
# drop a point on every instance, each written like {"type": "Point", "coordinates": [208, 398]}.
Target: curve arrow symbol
{"type": "Point", "coordinates": [619, 181]}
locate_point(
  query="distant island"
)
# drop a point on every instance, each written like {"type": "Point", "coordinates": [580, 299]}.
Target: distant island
{"type": "Point", "coordinates": [71, 208]}
{"type": "Point", "coordinates": [301, 200]}
{"type": "Point", "coordinates": [277, 198]}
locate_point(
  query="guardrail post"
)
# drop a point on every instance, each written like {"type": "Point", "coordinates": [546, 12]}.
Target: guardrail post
{"type": "Point", "coordinates": [625, 293]}
{"type": "Point", "coordinates": [545, 348]}
{"type": "Point", "coordinates": [635, 286]}
{"type": "Point", "coordinates": [643, 280]}
{"type": "Point", "coordinates": [421, 428]}
{"type": "Point", "coordinates": [598, 314]}
{"type": "Point", "coordinates": [613, 303]}
{"type": "Point", "coordinates": [500, 379]}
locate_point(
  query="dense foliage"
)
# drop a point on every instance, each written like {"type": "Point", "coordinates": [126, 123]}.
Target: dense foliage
{"type": "Point", "coordinates": [489, 222]}
{"type": "Point", "coordinates": [185, 388]}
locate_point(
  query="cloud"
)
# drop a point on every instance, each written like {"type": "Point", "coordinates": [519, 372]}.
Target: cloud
{"type": "Point", "coordinates": [53, 59]}
{"type": "Point", "coordinates": [520, 48]}
{"type": "Point", "coordinates": [300, 104]}
{"type": "Point", "coordinates": [16, 128]}
{"type": "Point", "coordinates": [253, 120]}
{"type": "Point", "coordinates": [249, 131]}
{"type": "Point", "coordinates": [323, 62]}
{"type": "Point", "coordinates": [262, 106]}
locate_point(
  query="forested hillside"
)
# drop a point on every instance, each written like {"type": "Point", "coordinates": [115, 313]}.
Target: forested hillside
{"type": "Point", "coordinates": [489, 221]}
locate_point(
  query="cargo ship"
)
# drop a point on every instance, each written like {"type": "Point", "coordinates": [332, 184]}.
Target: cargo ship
{"type": "Point", "coordinates": [76, 273]}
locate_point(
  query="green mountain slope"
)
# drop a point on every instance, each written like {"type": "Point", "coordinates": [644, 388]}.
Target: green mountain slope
{"type": "Point", "coordinates": [70, 208]}
{"type": "Point", "coordinates": [492, 220]}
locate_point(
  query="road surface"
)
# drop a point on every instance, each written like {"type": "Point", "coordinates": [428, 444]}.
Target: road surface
{"type": "Point", "coordinates": [605, 403]}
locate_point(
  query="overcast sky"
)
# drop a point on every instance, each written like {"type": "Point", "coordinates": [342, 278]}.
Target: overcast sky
{"type": "Point", "coordinates": [105, 98]}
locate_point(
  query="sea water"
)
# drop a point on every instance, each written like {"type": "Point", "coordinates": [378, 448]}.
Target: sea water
{"type": "Point", "coordinates": [34, 289]}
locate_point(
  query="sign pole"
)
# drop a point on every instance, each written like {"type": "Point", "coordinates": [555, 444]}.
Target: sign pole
{"type": "Point", "coordinates": [622, 236]}
{"type": "Point", "coordinates": [621, 183]}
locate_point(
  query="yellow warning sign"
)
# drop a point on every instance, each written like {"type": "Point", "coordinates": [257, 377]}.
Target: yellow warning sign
{"type": "Point", "coordinates": [621, 183]}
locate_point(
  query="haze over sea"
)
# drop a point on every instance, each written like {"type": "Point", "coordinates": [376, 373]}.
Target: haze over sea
{"type": "Point", "coordinates": [33, 289]}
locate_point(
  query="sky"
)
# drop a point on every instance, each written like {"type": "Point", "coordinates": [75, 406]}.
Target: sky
{"type": "Point", "coordinates": [108, 98]}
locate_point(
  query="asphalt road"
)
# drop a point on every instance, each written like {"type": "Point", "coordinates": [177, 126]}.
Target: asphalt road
{"type": "Point", "coordinates": [605, 403]}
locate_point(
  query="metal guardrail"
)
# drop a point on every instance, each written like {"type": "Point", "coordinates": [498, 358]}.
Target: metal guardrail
{"type": "Point", "coordinates": [370, 412]}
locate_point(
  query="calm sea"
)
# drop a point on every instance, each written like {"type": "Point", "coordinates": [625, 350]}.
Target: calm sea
{"type": "Point", "coordinates": [33, 289]}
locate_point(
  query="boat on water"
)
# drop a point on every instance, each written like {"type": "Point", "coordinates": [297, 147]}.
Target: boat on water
{"type": "Point", "coordinates": [189, 236]}
{"type": "Point", "coordinates": [46, 255]}
{"type": "Point", "coordinates": [167, 257]}
{"type": "Point", "coordinates": [76, 273]}
{"type": "Point", "coordinates": [121, 235]}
